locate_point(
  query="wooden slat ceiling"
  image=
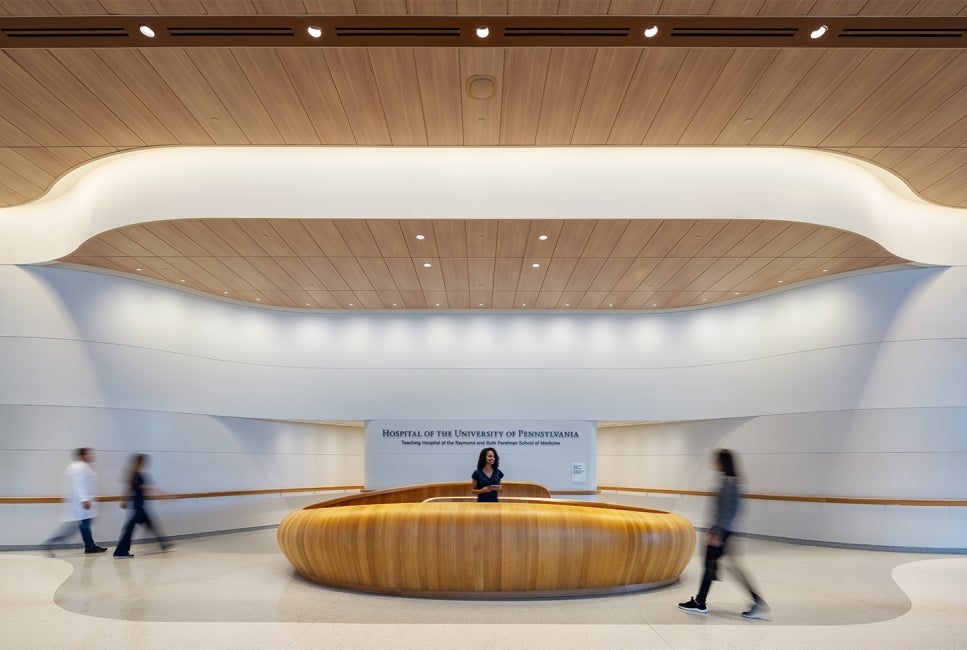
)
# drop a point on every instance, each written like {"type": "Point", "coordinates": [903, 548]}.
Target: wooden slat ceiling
{"type": "Point", "coordinates": [900, 107]}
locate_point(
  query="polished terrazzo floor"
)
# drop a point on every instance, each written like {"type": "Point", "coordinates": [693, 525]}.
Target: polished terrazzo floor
{"type": "Point", "coordinates": [237, 591]}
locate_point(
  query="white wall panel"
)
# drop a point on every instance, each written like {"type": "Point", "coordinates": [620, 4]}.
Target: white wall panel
{"type": "Point", "coordinates": [849, 387]}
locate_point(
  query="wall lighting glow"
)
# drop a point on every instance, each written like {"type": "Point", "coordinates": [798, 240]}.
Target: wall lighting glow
{"type": "Point", "coordinates": [314, 32]}
{"type": "Point", "coordinates": [818, 32]}
{"type": "Point", "coordinates": [483, 32]}
{"type": "Point", "coordinates": [651, 32]}
{"type": "Point", "coordinates": [147, 31]}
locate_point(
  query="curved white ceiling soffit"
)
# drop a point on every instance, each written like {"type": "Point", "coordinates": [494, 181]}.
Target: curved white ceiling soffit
{"type": "Point", "coordinates": [488, 183]}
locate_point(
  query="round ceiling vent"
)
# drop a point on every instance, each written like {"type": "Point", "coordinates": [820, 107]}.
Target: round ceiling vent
{"type": "Point", "coordinates": [481, 87]}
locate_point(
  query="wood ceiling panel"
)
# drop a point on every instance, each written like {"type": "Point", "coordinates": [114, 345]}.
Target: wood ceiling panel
{"type": "Point", "coordinates": [149, 89]}
{"type": "Point", "coordinates": [601, 103]}
{"type": "Point", "coordinates": [644, 96]}
{"type": "Point", "coordinates": [389, 238]}
{"type": "Point", "coordinates": [456, 274]}
{"type": "Point", "coordinates": [568, 73]}
{"type": "Point", "coordinates": [273, 86]}
{"type": "Point", "coordinates": [327, 237]}
{"type": "Point", "coordinates": [396, 76]}
{"type": "Point", "coordinates": [419, 248]}
{"type": "Point", "coordinates": [585, 271]}
{"type": "Point", "coordinates": [555, 274]}
{"type": "Point", "coordinates": [532, 279]}
{"type": "Point", "coordinates": [312, 81]}
{"type": "Point", "coordinates": [326, 272]}
{"type": "Point", "coordinates": [229, 281]}
{"type": "Point", "coordinates": [856, 88]}
{"type": "Point", "coordinates": [669, 233]}
{"type": "Point", "coordinates": [727, 94]}
{"type": "Point", "coordinates": [352, 273]}
{"type": "Point", "coordinates": [890, 95]}
{"type": "Point", "coordinates": [611, 272]}
{"type": "Point", "coordinates": [270, 268]}
{"type": "Point", "coordinates": [451, 238]}
{"type": "Point", "coordinates": [227, 79]}
{"type": "Point", "coordinates": [36, 111]}
{"type": "Point", "coordinates": [716, 271]}
{"type": "Point", "coordinates": [687, 273]}
{"type": "Point", "coordinates": [481, 238]}
{"type": "Point", "coordinates": [179, 72]}
{"type": "Point", "coordinates": [507, 272]}
{"type": "Point", "coordinates": [438, 75]}
{"type": "Point", "coordinates": [604, 236]}
{"type": "Point", "coordinates": [699, 234]}
{"type": "Point", "coordinates": [573, 237]}
{"type": "Point", "coordinates": [947, 167]}
{"type": "Point", "coordinates": [481, 272]}
{"type": "Point", "coordinates": [297, 269]}
{"type": "Point", "coordinates": [358, 236]}
{"type": "Point", "coordinates": [353, 77]}
{"type": "Point", "coordinates": [100, 77]}
{"type": "Point", "coordinates": [378, 273]}
{"type": "Point", "coordinates": [784, 74]}
{"type": "Point", "coordinates": [524, 77]}
{"type": "Point", "coordinates": [810, 94]}
{"type": "Point", "coordinates": [693, 81]}
{"type": "Point", "coordinates": [481, 117]}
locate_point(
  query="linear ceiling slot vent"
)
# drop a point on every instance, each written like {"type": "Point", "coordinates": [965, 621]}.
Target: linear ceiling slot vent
{"type": "Point", "coordinates": [398, 31]}
{"type": "Point", "coordinates": [939, 32]}
{"type": "Point", "coordinates": [619, 32]}
{"type": "Point", "coordinates": [246, 32]}
{"type": "Point", "coordinates": [64, 32]}
{"type": "Point", "coordinates": [736, 32]}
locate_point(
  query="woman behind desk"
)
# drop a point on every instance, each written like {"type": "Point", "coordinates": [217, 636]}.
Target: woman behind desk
{"type": "Point", "coordinates": [486, 478]}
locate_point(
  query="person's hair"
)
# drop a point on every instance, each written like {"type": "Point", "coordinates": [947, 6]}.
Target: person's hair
{"type": "Point", "coordinates": [81, 452]}
{"type": "Point", "coordinates": [137, 460]}
{"type": "Point", "coordinates": [727, 462]}
{"type": "Point", "coordinates": [482, 459]}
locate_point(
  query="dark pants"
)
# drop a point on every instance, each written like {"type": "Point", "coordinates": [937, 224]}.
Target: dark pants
{"type": "Point", "coordinates": [712, 556]}
{"type": "Point", "coordinates": [138, 516]}
{"type": "Point", "coordinates": [67, 530]}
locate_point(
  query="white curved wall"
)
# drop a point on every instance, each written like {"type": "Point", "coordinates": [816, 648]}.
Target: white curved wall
{"type": "Point", "coordinates": [893, 340]}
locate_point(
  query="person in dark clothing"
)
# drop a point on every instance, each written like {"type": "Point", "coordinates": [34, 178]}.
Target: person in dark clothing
{"type": "Point", "coordinates": [486, 478]}
{"type": "Point", "coordinates": [137, 483]}
{"type": "Point", "coordinates": [727, 501]}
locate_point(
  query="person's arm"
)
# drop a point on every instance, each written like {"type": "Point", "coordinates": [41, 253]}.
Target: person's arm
{"type": "Point", "coordinates": [483, 490]}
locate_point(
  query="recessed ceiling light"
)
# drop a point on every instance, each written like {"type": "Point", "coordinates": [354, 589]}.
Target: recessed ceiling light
{"type": "Point", "coordinates": [654, 304]}
{"type": "Point", "coordinates": [182, 280]}
{"type": "Point", "coordinates": [480, 305]}
{"type": "Point", "coordinates": [314, 32]}
{"type": "Point", "coordinates": [542, 237]}
{"type": "Point", "coordinates": [421, 237]}
{"type": "Point", "coordinates": [483, 32]}
{"type": "Point", "coordinates": [824, 270]}
{"type": "Point", "coordinates": [147, 31]}
{"type": "Point", "coordinates": [567, 304]}
{"type": "Point", "coordinates": [225, 292]}
{"type": "Point", "coordinates": [137, 269]}
{"type": "Point", "coordinates": [818, 32]}
{"type": "Point", "coordinates": [610, 304]}
{"type": "Point", "coordinates": [437, 305]}
{"type": "Point", "coordinates": [651, 32]}
{"type": "Point", "coordinates": [780, 281]}
{"type": "Point", "coordinates": [427, 265]}
{"type": "Point", "coordinates": [258, 300]}
{"type": "Point", "coordinates": [535, 265]}
{"type": "Point", "coordinates": [307, 304]}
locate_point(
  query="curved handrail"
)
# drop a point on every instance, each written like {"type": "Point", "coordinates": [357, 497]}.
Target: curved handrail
{"type": "Point", "coordinates": [864, 501]}
{"type": "Point", "coordinates": [611, 488]}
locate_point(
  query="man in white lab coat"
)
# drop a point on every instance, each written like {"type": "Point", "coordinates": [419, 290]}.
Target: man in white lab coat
{"type": "Point", "coordinates": [80, 483]}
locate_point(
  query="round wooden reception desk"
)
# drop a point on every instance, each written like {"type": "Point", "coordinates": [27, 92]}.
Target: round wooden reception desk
{"type": "Point", "coordinates": [424, 541]}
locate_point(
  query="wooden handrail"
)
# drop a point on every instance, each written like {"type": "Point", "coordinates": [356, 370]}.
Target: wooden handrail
{"type": "Point", "coordinates": [189, 495]}
{"type": "Point", "coordinates": [866, 501]}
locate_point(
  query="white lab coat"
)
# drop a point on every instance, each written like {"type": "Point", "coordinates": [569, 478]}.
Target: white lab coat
{"type": "Point", "coordinates": [79, 486]}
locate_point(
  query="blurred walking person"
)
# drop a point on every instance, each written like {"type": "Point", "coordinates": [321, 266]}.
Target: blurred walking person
{"type": "Point", "coordinates": [720, 530]}
{"type": "Point", "coordinates": [80, 501]}
{"type": "Point", "coordinates": [138, 484]}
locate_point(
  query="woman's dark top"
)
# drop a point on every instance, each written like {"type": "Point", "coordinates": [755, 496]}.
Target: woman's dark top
{"type": "Point", "coordinates": [483, 481]}
{"type": "Point", "coordinates": [137, 490]}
